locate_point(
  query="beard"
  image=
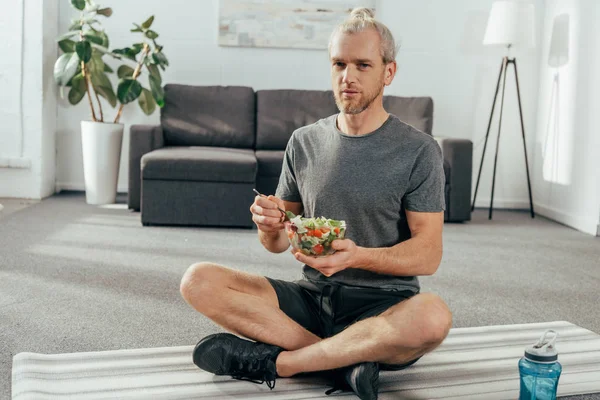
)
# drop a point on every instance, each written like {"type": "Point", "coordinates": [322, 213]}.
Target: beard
{"type": "Point", "coordinates": [360, 104]}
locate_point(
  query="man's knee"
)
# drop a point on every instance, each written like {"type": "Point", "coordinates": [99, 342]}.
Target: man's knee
{"type": "Point", "coordinates": [436, 319]}
{"type": "Point", "coordinates": [200, 280]}
{"type": "Point", "coordinates": [429, 318]}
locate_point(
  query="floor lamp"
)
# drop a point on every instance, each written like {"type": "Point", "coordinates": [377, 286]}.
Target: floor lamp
{"type": "Point", "coordinates": [510, 23]}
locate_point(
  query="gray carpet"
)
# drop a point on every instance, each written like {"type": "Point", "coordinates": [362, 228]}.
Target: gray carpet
{"type": "Point", "coordinates": [76, 278]}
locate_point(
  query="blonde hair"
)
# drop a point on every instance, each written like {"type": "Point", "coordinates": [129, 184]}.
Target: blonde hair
{"type": "Point", "coordinates": [363, 18]}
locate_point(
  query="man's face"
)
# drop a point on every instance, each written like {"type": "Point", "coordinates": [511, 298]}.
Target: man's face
{"type": "Point", "coordinates": [358, 73]}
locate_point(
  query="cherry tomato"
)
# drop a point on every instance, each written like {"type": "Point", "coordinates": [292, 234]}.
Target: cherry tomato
{"type": "Point", "coordinates": [318, 248]}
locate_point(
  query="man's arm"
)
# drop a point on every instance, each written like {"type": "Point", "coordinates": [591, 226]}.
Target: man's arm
{"type": "Point", "coordinates": [271, 231]}
{"type": "Point", "coordinates": [419, 255]}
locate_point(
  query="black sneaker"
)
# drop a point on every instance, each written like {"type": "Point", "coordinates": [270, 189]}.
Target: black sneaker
{"type": "Point", "coordinates": [362, 379]}
{"type": "Point", "coordinates": [227, 354]}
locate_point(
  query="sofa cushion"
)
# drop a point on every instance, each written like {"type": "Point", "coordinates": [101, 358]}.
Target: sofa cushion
{"type": "Point", "coordinates": [210, 164]}
{"type": "Point", "coordinates": [447, 164]}
{"type": "Point", "coordinates": [447, 171]}
{"type": "Point", "coordinates": [415, 111]}
{"type": "Point", "coordinates": [280, 112]}
{"type": "Point", "coordinates": [209, 116]}
{"type": "Point", "coordinates": [269, 162]}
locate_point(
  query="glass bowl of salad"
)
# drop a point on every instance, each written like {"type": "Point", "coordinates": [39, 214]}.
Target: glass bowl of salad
{"type": "Point", "coordinates": [313, 236]}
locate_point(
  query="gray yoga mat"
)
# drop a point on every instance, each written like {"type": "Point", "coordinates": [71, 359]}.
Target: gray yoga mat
{"type": "Point", "coordinates": [473, 363]}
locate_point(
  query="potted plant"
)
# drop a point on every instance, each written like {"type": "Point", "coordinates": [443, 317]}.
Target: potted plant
{"type": "Point", "coordinates": [81, 69]}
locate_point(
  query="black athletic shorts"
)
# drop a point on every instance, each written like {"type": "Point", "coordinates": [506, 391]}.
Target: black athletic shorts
{"type": "Point", "coordinates": [326, 309]}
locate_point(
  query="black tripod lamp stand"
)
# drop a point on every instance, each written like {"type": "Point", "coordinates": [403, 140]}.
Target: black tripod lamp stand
{"type": "Point", "coordinates": [509, 23]}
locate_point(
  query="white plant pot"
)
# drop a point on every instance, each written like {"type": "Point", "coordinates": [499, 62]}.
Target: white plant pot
{"type": "Point", "coordinates": [101, 144]}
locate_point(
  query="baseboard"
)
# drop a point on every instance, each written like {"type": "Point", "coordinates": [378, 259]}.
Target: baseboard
{"type": "Point", "coordinates": [79, 187]}
{"type": "Point", "coordinates": [573, 221]}
{"type": "Point", "coordinates": [15, 162]}
{"type": "Point", "coordinates": [512, 204]}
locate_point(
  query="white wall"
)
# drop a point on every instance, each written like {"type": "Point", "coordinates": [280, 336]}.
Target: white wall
{"type": "Point", "coordinates": [49, 95]}
{"type": "Point", "coordinates": [441, 56]}
{"type": "Point", "coordinates": [28, 101]}
{"type": "Point", "coordinates": [566, 163]}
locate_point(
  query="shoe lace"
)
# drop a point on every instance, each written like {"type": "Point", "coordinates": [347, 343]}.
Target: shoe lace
{"type": "Point", "coordinates": [256, 370]}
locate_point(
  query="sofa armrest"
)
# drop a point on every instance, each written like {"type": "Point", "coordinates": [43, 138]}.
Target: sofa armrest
{"type": "Point", "coordinates": [142, 139]}
{"type": "Point", "coordinates": [458, 153]}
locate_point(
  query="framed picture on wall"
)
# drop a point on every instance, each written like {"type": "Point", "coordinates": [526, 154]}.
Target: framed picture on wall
{"type": "Point", "coordinates": [302, 24]}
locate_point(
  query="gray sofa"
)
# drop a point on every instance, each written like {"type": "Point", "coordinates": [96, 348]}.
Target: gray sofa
{"type": "Point", "coordinates": [215, 143]}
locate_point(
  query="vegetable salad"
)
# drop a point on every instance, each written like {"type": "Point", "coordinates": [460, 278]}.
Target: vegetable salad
{"type": "Point", "coordinates": [313, 236]}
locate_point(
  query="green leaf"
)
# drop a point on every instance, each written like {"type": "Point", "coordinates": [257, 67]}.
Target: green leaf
{"type": "Point", "coordinates": [137, 47]}
{"type": "Point", "coordinates": [128, 90]}
{"type": "Point", "coordinates": [78, 4]}
{"type": "Point", "coordinates": [94, 38]}
{"type": "Point", "coordinates": [76, 73]}
{"type": "Point", "coordinates": [77, 89]}
{"type": "Point", "coordinates": [84, 50]}
{"type": "Point", "coordinates": [67, 35]}
{"type": "Point", "coordinates": [76, 26]}
{"type": "Point", "coordinates": [103, 86]}
{"type": "Point", "coordinates": [125, 71]}
{"type": "Point", "coordinates": [150, 34]}
{"type": "Point", "coordinates": [89, 20]}
{"type": "Point", "coordinates": [67, 45]}
{"type": "Point", "coordinates": [148, 23]}
{"type": "Point", "coordinates": [65, 68]}
{"type": "Point", "coordinates": [104, 38]}
{"type": "Point", "coordinates": [155, 72]}
{"type": "Point", "coordinates": [157, 91]}
{"type": "Point", "coordinates": [96, 48]}
{"type": "Point", "coordinates": [160, 59]}
{"type": "Point", "coordinates": [96, 65]}
{"type": "Point", "coordinates": [146, 102]}
{"type": "Point", "coordinates": [137, 28]}
{"type": "Point", "coordinates": [92, 7]}
{"type": "Point", "coordinates": [108, 69]}
{"type": "Point", "coordinates": [107, 12]}
{"type": "Point", "coordinates": [126, 52]}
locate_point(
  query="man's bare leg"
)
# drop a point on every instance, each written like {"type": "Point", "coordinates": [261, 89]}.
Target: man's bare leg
{"type": "Point", "coordinates": [247, 305]}
{"type": "Point", "coordinates": [399, 335]}
{"type": "Point", "coordinates": [244, 304]}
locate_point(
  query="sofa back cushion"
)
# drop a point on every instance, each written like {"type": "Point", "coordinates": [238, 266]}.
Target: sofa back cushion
{"type": "Point", "coordinates": [281, 112]}
{"type": "Point", "coordinates": [221, 116]}
{"type": "Point", "coordinates": [415, 111]}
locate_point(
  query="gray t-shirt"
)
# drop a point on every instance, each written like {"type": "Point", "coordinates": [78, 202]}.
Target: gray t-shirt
{"type": "Point", "coordinates": [368, 181]}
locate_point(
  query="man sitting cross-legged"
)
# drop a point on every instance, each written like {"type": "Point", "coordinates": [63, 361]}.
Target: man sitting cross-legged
{"type": "Point", "coordinates": [359, 310]}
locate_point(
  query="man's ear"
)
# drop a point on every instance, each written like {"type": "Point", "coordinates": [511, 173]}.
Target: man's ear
{"type": "Point", "coordinates": [390, 72]}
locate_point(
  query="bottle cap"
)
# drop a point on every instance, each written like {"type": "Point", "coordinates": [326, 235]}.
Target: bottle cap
{"type": "Point", "coordinates": [544, 351]}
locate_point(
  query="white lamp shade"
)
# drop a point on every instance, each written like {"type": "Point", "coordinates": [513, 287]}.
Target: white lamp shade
{"type": "Point", "coordinates": [511, 23]}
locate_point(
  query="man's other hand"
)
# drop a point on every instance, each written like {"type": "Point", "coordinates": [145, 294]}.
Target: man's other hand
{"type": "Point", "coordinates": [344, 257]}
